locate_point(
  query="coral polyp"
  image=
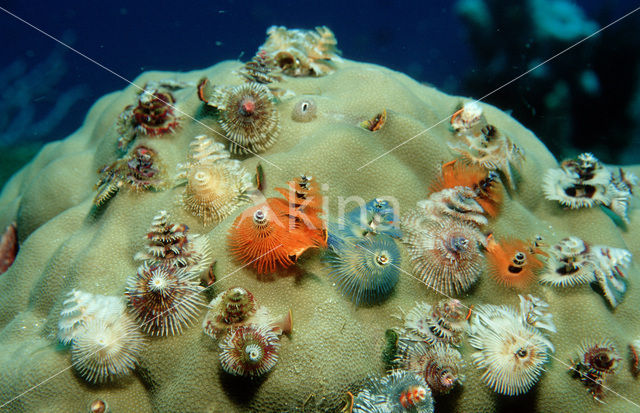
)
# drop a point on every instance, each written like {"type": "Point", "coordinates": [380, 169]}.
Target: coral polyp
{"type": "Point", "coordinates": [458, 202]}
{"type": "Point", "coordinates": [260, 69]}
{"type": "Point", "coordinates": [277, 232]}
{"type": "Point", "coordinates": [302, 193]}
{"type": "Point", "coordinates": [106, 349]}
{"type": "Point", "coordinates": [215, 185]}
{"type": "Point", "coordinates": [596, 361]}
{"type": "Point", "coordinates": [249, 117]}
{"type": "Point", "coordinates": [249, 351]}
{"type": "Point", "coordinates": [235, 308]}
{"type": "Point", "coordinates": [484, 183]}
{"type": "Point", "coordinates": [230, 309]}
{"type": "Point", "coordinates": [8, 247]}
{"type": "Point", "coordinates": [413, 396]}
{"type": "Point", "coordinates": [98, 406]}
{"type": "Point", "coordinates": [568, 264]}
{"type": "Point", "coordinates": [207, 93]}
{"type": "Point", "coordinates": [468, 119]}
{"type": "Point", "coordinates": [445, 253]}
{"type": "Point", "coordinates": [511, 352]}
{"type": "Point", "coordinates": [375, 123]}
{"type": "Point", "coordinates": [142, 169]}
{"type": "Point", "coordinates": [439, 364]}
{"type": "Point", "coordinates": [108, 184]}
{"type": "Point", "coordinates": [153, 115]}
{"type": "Point", "coordinates": [535, 312]}
{"type": "Point", "coordinates": [163, 298]}
{"type": "Point", "coordinates": [81, 307]}
{"type": "Point", "coordinates": [573, 262]}
{"type": "Point", "coordinates": [482, 144]}
{"type": "Point", "coordinates": [210, 191]}
{"type": "Point", "coordinates": [363, 402]}
{"type": "Point", "coordinates": [172, 244]}
{"type": "Point", "coordinates": [585, 182]}
{"type": "Point", "coordinates": [302, 206]}
{"type": "Point", "coordinates": [204, 150]}
{"type": "Point", "coordinates": [399, 391]}
{"type": "Point", "coordinates": [139, 171]}
{"type": "Point", "coordinates": [375, 217]}
{"type": "Point", "coordinates": [599, 357]}
{"type": "Point", "coordinates": [365, 270]}
{"type": "Point", "coordinates": [610, 271]}
{"type": "Point", "coordinates": [444, 322]}
{"type": "Point", "coordinates": [260, 238]}
{"type": "Point", "coordinates": [302, 52]}
{"type": "Point", "coordinates": [513, 262]}
{"type": "Point", "coordinates": [634, 349]}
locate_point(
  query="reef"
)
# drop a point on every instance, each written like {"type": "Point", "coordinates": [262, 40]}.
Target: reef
{"type": "Point", "coordinates": [178, 193]}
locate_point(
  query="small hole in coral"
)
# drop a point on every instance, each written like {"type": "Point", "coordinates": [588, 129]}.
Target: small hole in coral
{"type": "Point", "coordinates": [304, 111]}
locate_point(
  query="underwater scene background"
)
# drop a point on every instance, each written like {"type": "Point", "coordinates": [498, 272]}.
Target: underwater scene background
{"type": "Point", "coordinates": [327, 206]}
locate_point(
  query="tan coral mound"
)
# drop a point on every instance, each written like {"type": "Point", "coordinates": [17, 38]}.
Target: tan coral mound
{"type": "Point", "coordinates": [67, 243]}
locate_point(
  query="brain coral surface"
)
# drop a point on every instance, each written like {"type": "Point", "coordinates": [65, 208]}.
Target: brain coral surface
{"type": "Point", "coordinates": [67, 243]}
